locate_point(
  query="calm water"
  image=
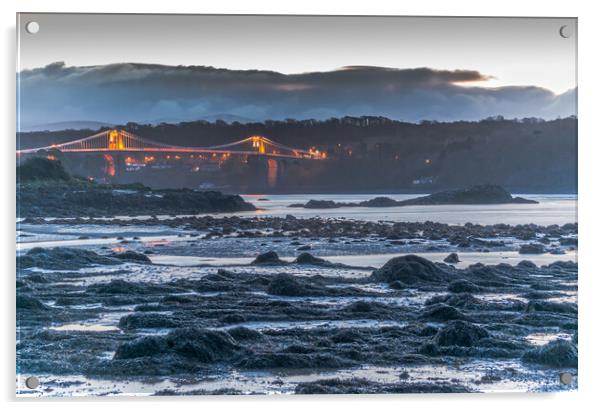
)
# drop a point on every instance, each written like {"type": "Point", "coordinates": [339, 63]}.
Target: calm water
{"type": "Point", "coordinates": [552, 209]}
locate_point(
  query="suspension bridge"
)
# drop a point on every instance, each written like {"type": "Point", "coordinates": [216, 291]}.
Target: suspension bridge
{"type": "Point", "coordinates": [122, 141]}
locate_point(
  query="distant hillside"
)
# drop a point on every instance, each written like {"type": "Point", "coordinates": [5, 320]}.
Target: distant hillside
{"type": "Point", "coordinates": [67, 125]}
{"type": "Point", "coordinates": [376, 154]}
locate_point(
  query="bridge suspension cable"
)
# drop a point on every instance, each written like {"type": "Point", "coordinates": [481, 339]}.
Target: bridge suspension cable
{"type": "Point", "coordinates": [120, 140]}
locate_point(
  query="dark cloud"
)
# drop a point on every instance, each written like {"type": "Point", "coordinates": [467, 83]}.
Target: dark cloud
{"type": "Point", "coordinates": [119, 93]}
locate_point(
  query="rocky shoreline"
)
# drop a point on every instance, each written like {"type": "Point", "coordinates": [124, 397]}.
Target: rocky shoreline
{"type": "Point", "coordinates": [45, 189]}
{"type": "Point", "coordinates": [536, 239]}
{"type": "Point", "coordinates": [67, 200]}
{"type": "Point", "coordinates": [212, 323]}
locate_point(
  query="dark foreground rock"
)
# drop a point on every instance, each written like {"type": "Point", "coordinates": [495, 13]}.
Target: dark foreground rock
{"type": "Point", "coordinates": [62, 259]}
{"type": "Point", "coordinates": [205, 346]}
{"type": "Point", "coordinates": [531, 249]}
{"type": "Point", "coordinates": [268, 258]}
{"type": "Point", "coordinates": [463, 286]}
{"type": "Point", "coordinates": [410, 270]}
{"type": "Point", "coordinates": [362, 386]}
{"type": "Point", "coordinates": [132, 256]}
{"type": "Point", "coordinates": [452, 258]}
{"type": "Point", "coordinates": [30, 303]}
{"type": "Point", "coordinates": [245, 319]}
{"type": "Point", "coordinates": [559, 353]}
{"type": "Point", "coordinates": [73, 258]}
{"type": "Point", "coordinates": [460, 333]}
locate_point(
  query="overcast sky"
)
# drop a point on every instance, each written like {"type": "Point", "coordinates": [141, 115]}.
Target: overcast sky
{"type": "Point", "coordinates": [515, 51]}
{"type": "Point", "coordinates": [505, 55]}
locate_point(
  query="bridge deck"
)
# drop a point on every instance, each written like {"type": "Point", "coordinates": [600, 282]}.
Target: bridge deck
{"type": "Point", "coordinates": [123, 141]}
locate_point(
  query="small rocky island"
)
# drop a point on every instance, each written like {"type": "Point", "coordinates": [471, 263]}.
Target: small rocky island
{"type": "Point", "coordinates": [45, 189]}
{"type": "Point", "coordinates": [475, 195]}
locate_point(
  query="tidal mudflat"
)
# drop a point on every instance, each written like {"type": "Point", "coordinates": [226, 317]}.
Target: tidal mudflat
{"type": "Point", "coordinates": [282, 305]}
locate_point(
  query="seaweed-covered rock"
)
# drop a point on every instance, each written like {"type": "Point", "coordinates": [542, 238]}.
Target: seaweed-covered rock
{"type": "Point", "coordinates": [241, 333]}
{"type": "Point", "coordinates": [397, 285]}
{"type": "Point", "coordinates": [558, 353]}
{"type": "Point", "coordinates": [62, 259]}
{"type": "Point", "coordinates": [349, 335]}
{"type": "Point", "coordinates": [30, 303]}
{"type": "Point", "coordinates": [306, 258]}
{"type": "Point", "coordinates": [285, 284]}
{"type": "Point", "coordinates": [363, 386]}
{"type": "Point", "coordinates": [201, 345]}
{"type": "Point", "coordinates": [81, 198]}
{"type": "Point", "coordinates": [526, 265]}
{"type": "Point", "coordinates": [292, 361]}
{"type": "Point", "coordinates": [410, 269]}
{"type": "Point", "coordinates": [546, 306]}
{"type": "Point", "coordinates": [442, 313]}
{"type": "Point", "coordinates": [122, 287]}
{"type": "Point", "coordinates": [531, 248]}
{"type": "Point", "coordinates": [132, 256]}
{"type": "Point", "coordinates": [452, 258]}
{"type": "Point", "coordinates": [147, 321]}
{"type": "Point", "coordinates": [463, 286]}
{"type": "Point", "coordinates": [36, 278]}
{"type": "Point", "coordinates": [459, 300]}
{"type": "Point", "coordinates": [268, 258]}
{"type": "Point", "coordinates": [144, 346]}
{"type": "Point", "coordinates": [460, 333]}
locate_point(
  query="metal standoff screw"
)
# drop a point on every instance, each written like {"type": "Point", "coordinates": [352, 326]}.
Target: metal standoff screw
{"type": "Point", "coordinates": [566, 378]}
{"type": "Point", "coordinates": [32, 382]}
{"type": "Point", "coordinates": [32, 27]}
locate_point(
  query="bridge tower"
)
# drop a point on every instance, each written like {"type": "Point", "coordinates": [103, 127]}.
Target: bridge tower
{"type": "Point", "coordinates": [115, 140]}
{"type": "Point", "coordinates": [258, 143]}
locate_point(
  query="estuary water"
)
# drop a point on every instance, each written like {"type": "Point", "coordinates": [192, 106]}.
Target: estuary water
{"type": "Point", "coordinates": [551, 209]}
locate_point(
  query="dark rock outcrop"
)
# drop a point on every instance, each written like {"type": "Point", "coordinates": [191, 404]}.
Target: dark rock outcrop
{"type": "Point", "coordinates": [460, 333]}
{"type": "Point", "coordinates": [531, 249]}
{"type": "Point", "coordinates": [463, 286]}
{"type": "Point", "coordinates": [362, 386]}
{"type": "Point", "coordinates": [292, 361]}
{"type": "Point", "coordinates": [441, 312]}
{"type": "Point", "coordinates": [410, 269]}
{"type": "Point", "coordinates": [306, 258]}
{"type": "Point", "coordinates": [62, 259]}
{"type": "Point", "coordinates": [132, 256]}
{"type": "Point", "coordinates": [70, 197]}
{"type": "Point", "coordinates": [318, 204]}
{"type": "Point", "coordinates": [380, 202]}
{"type": "Point", "coordinates": [559, 353]}
{"type": "Point", "coordinates": [268, 258]}
{"type": "Point", "coordinates": [475, 195]}
{"type": "Point", "coordinates": [201, 345]}
{"type": "Point", "coordinates": [285, 284]}
{"type": "Point", "coordinates": [30, 303]}
{"type": "Point", "coordinates": [452, 258]}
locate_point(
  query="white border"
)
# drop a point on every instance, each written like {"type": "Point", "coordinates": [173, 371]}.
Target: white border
{"type": "Point", "coordinates": [590, 158]}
